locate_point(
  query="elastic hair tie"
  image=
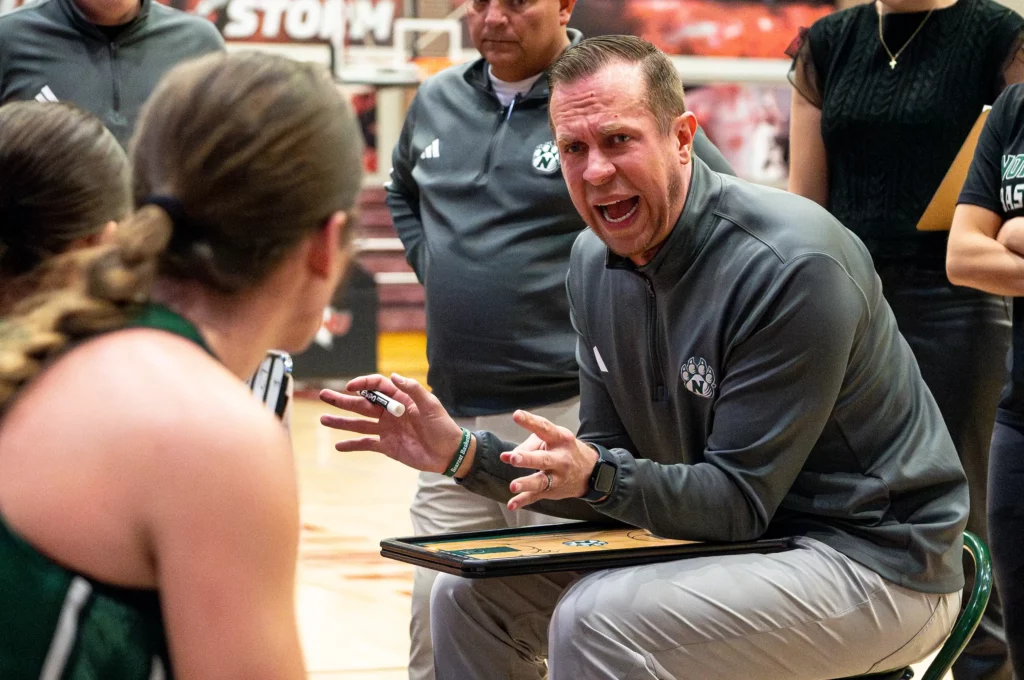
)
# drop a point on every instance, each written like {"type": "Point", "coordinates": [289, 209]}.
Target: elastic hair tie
{"type": "Point", "coordinates": [185, 232]}
{"type": "Point", "coordinates": [170, 205]}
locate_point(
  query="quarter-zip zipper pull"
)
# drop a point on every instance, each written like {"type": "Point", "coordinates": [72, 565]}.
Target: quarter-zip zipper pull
{"type": "Point", "coordinates": [502, 120]}
{"type": "Point", "coordinates": [115, 74]}
{"type": "Point", "coordinates": [658, 393]}
{"type": "Point", "coordinates": [511, 107]}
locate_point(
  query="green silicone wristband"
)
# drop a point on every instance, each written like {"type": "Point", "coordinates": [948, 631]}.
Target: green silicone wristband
{"type": "Point", "coordinates": [460, 455]}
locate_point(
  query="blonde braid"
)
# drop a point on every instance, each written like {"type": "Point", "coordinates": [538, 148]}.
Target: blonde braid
{"type": "Point", "coordinates": [81, 293]}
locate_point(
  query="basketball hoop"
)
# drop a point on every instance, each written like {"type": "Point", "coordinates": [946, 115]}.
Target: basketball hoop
{"type": "Point", "coordinates": [428, 66]}
{"type": "Point", "coordinates": [431, 29]}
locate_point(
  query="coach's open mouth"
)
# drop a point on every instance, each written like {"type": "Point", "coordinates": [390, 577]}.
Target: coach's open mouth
{"type": "Point", "coordinates": [618, 212]}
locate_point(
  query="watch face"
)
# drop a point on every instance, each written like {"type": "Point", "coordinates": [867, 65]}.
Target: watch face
{"type": "Point", "coordinates": [605, 478]}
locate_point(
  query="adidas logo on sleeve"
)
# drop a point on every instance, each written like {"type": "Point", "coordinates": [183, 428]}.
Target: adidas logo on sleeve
{"type": "Point", "coordinates": [433, 150]}
{"type": "Point", "coordinates": [46, 95]}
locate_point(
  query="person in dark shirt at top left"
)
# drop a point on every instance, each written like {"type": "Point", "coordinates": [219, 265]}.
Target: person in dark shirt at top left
{"type": "Point", "coordinates": [105, 56]}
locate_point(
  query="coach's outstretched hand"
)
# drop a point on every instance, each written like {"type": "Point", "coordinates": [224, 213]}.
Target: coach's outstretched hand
{"type": "Point", "coordinates": [424, 437]}
{"type": "Point", "coordinates": [562, 461]}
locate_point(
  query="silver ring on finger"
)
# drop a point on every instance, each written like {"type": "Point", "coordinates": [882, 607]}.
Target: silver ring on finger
{"type": "Point", "coordinates": [548, 487]}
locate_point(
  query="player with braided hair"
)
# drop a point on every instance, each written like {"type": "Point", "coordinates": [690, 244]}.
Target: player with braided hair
{"type": "Point", "coordinates": [70, 198]}
{"type": "Point", "coordinates": [148, 510]}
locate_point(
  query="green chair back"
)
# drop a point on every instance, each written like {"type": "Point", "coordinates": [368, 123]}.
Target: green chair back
{"type": "Point", "coordinates": [965, 626]}
{"type": "Point", "coordinates": [971, 616]}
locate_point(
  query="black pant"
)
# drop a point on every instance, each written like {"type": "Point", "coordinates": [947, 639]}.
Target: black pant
{"type": "Point", "coordinates": [961, 338]}
{"type": "Point", "coordinates": [1006, 531]}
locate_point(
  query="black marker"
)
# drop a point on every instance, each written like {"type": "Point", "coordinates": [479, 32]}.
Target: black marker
{"type": "Point", "coordinates": [395, 408]}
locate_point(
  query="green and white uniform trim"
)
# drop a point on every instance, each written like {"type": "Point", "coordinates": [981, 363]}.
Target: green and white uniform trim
{"type": "Point", "coordinates": [59, 625]}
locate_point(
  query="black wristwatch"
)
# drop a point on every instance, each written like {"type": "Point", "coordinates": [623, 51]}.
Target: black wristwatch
{"type": "Point", "coordinates": [602, 479]}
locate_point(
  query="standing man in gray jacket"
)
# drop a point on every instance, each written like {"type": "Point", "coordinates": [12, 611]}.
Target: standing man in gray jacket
{"type": "Point", "coordinates": [106, 56]}
{"type": "Point", "coordinates": [742, 376]}
{"type": "Point", "coordinates": [478, 200]}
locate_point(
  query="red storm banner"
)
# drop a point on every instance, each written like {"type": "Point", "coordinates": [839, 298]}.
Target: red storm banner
{"type": "Point", "coordinates": [719, 28]}
{"type": "Point", "coordinates": [334, 21]}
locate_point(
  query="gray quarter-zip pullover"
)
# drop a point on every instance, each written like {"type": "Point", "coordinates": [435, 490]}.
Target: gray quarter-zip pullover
{"type": "Point", "coordinates": [478, 200]}
{"type": "Point", "coordinates": [51, 52]}
{"type": "Point", "coordinates": [751, 381]}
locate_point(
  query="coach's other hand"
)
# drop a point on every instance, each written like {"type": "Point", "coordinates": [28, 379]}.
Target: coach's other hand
{"type": "Point", "coordinates": [424, 437]}
{"type": "Point", "coordinates": [564, 463]}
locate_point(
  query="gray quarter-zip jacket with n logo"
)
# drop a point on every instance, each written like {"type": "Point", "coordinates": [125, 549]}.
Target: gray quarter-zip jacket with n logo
{"type": "Point", "coordinates": [478, 200]}
{"type": "Point", "coordinates": [51, 52]}
{"type": "Point", "coordinates": [750, 381]}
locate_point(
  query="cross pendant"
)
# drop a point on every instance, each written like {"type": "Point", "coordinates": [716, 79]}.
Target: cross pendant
{"type": "Point", "coordinates": [892, 63]}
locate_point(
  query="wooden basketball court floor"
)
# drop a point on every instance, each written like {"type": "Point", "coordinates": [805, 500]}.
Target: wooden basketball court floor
{"type": "Point", "coordinates": [353, 605]}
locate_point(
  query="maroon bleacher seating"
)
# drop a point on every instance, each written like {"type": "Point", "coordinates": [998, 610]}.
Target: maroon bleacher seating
{"type": "Point", "coordinates": [400, 305]}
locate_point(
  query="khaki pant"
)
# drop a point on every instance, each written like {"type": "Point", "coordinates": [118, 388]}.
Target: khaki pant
{"type": "Point", "coordinates": [804, 614]}
{"type": "Point", "coordinates": [442, 506]}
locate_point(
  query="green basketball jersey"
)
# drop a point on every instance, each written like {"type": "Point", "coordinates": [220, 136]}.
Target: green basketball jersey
{"type": "Point", "coordinates": [59, 625]}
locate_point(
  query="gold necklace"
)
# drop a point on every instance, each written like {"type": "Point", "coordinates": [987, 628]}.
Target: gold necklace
{"type": "Point", "coordinates": [893, 57]}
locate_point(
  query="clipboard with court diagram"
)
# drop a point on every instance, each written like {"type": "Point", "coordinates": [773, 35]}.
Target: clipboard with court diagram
{"type": "Point", "coordinates": [555, 547]}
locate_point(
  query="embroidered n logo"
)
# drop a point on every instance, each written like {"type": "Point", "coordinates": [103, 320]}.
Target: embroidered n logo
{"type": "Point", "coordinates": [698, 377]}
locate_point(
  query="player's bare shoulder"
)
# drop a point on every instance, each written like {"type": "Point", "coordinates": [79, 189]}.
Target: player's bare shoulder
{"type": "Point", "coordinates": [162, 393]}
{"type": "Point", "coordinates": [152, 418]}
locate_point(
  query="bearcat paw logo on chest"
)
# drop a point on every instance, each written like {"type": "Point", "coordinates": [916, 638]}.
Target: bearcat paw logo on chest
{"type": "Point", "coordinates": [698, 377]}
{"type": "Point", "coordinates": [546, 159]}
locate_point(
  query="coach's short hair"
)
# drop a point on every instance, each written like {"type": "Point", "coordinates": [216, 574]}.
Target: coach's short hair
{"type": "Point", "coordinates": [665, 97]}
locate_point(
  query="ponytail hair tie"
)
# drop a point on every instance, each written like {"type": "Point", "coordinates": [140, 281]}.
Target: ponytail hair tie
{"type": "Point", "coordinates": [185, 232]}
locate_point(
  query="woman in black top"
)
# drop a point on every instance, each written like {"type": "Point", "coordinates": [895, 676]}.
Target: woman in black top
{"type": "Point", "coordinates": [986, 251]}
{"type": "Point", "coordinates": [884, 96]}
